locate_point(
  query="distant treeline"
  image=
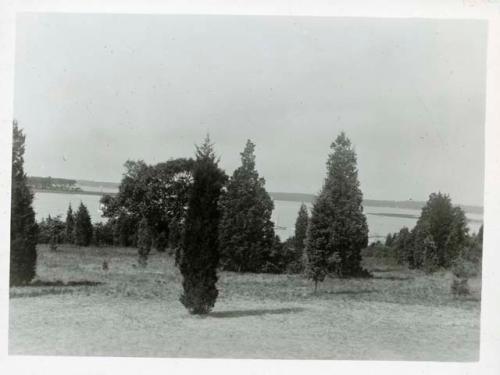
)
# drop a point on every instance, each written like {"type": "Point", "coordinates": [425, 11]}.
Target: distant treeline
{"type": "Point", "coordinates": [52, 183]}
{"type": "Point", "coordinates": [409, 204]}
{"type": "Point", "coordinates": [414, 205]}
{"type": "Point", "coordinates": [111, 185]}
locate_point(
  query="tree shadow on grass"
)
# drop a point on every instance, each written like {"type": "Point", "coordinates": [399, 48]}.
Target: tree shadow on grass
{"type": "Point", "coordinates": [59, 283]}
{"type": "Point", "coordinates": [469, 298]}
{"type": "Point", "coordinates": [392, 277]}
{"type": "Point", "coordinates": [350, 292]}
{"type": "Point", "coordinates": [42, 288]}
{"type": "Point", "coordinates": [256, 312]}
{"type": "Point", "coordinates": [381, 270]}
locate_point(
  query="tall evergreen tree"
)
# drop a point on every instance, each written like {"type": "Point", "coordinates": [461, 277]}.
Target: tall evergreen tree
{"type": "Point", "coordinates": [70, 225]}
{"type": "Point", "coordinates": [301, 228]}
{"type": "Point", "coordinates": [83, 226]}
{"type": "Point", "coordinates": [23, 228]}
{"type": "Point", "coordinates": [246, 232]}
{"type": "Point", "coordinates": [339, 230]}
{"type": "Point", "coordinates": [199, 257]}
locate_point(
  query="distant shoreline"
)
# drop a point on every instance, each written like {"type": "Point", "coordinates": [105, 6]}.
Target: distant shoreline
{"type": "Point", "coordinates": [292, 197]}
{"type": "Point", "coordinates": [410, 216]}
{"type": "Point", "coordinates": [72, 192]}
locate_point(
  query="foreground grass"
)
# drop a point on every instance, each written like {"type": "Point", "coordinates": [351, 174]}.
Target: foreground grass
{"type": "Point", "coordinates": [77, 308]}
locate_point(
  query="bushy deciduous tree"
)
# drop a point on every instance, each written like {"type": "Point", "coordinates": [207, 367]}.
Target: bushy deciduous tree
{"type": "Point", "coordinates": [430, 255]}
{"type": "Point", "coordinates": [125, 228]}
{"type": "Point", "coordinates": [175, 236]}
{"type": "Point", "coordinates": [103, 234]}
{"type": "Point", "coordinates": [51, 230]}
{"type": "Point", "coordinates": [246, 232]}
{"type": "Point", "coordinates": [83, 226]}
{"type": "Point", "coordinates": [199, 257]}
{"type": "Point", "coordinates": [446, 225]}
{"type": "Point", "coordinates": [338, 228]}
{"type": "Point", "coordinates": [158, 193]}
{"type": "Point", "coordinates": [23, 228]}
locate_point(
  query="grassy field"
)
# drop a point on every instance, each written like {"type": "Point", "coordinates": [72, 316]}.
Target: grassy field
{"type": "Point", "coordinates": [77, 308]}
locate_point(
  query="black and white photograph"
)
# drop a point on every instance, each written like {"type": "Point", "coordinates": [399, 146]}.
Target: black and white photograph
{"type": "Point", "coordinates": [221, 186]}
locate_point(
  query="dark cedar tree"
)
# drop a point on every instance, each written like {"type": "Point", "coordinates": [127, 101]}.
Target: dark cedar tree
{"type": "Point", "coordinates": [199, 256]}
{"type": "Point", "coordinates": [23, 228]}
{"type": "Point", "coordinates": [70, 225]}
{"type": "Point", "coordinates": [83, 226]}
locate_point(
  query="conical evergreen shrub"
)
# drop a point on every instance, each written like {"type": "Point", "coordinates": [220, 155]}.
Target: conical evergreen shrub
{"type": "Point", "coordinates": [83, 226]}
{"type": "Point", "coordinates": [199, 257]}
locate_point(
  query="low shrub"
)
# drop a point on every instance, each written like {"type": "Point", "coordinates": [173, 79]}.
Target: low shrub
{"type": "Point", "coordinates": [51, 230]}
{"type": "Point", "coordinates": [103, 234]}
{"type": "Point", "coordinates": [462, 270]}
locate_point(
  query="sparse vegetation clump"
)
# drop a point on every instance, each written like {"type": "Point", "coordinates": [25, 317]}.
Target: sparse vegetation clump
{"type": "Point", "coordinates": [23, 228]}
{"type": "Point", "coordinates": [103, 234]}
{"type": "Point", "coordinates": [56, 232]}
{"type": "Point", "coordinates": [467, 264]}
{"type": "Point", "coordinates": [461, 269]}
{"type": "Point", "coordinates": [402, 244]}
{"type": "Point", "coordinates": [51, 230]}
{"type": "Point", "coordinates": [199, 257]}
{"type": "Point", "coordinates": [144, 242]}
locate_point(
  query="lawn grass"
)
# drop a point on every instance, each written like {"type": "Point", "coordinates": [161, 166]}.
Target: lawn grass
{"type": "Point", "coordinates": [77, 308]}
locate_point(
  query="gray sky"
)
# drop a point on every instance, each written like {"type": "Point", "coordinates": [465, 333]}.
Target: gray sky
{"type": "Point", "coordinates": [94, 90]}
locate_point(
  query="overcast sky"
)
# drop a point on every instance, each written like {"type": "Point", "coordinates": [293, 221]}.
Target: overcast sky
{"type": "Point", "coordinates": [92, 91]}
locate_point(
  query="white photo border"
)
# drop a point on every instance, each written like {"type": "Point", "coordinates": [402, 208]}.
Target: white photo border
{"type": "Point", "coordinates": [440, 9]}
